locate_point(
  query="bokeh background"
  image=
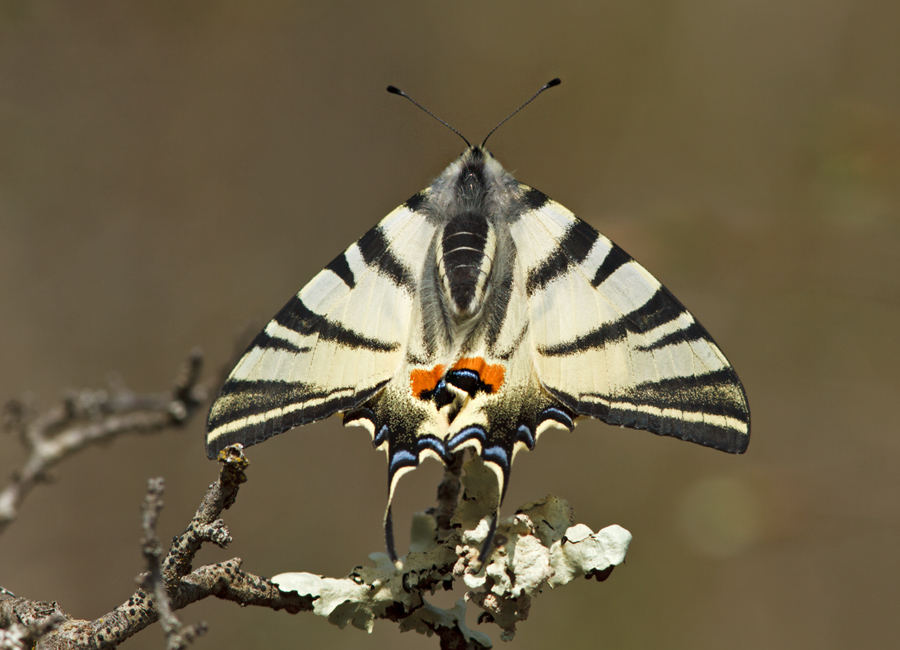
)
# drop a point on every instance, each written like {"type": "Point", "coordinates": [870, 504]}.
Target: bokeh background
{"type": "Point", "coordinates": [171, 173]}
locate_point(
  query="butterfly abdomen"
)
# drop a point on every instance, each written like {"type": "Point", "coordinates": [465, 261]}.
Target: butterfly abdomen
{"type": "Point", "coordinates": [465, 258]}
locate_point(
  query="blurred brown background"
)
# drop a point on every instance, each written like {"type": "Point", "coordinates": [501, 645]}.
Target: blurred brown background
{"type": "Point", "coordinates": [171, 172]}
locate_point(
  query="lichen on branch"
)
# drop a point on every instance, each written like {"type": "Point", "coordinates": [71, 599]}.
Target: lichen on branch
{"type": "Point", "coordinates": [539, 546]}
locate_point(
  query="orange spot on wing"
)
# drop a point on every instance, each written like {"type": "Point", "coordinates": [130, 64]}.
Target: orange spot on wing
{"type": "Point", "coordinates": [422, 380]}
{"type": "Point", "coordinates": [491, 373]}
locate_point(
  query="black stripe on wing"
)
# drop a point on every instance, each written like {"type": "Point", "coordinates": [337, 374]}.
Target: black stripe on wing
{"type": "Point", "coordinates": [675, 406]}
{"type": "Point", "coordinates": [715, 393]}
{"type": "Point", "coordinates": [615, 258]}
{"type": "Point", "coordinates": [298, 317]}
{"type": "Point", "coordinates": [572, 249]}
{"type": "Point", "coordinates": [377, 253]}
{"type": "Point", "coordinates": [417, 202]}
{"type": "Point", "coordinates": [530, 200]}
{"type": "Point", "coordinates": [341, 268]}
{"type": "Point", "coordinates": [661, 308]}
{"type": "Point", "coordinates": [266, 342]}
{"type": "Point", "coordinates": [711, 398]}
{"type": "Point", "coordinates": [693, 332]}
{"type": "Point", "coordinates": [239, 400]}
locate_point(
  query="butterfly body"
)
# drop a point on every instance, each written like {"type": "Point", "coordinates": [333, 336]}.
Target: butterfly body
{"type": "Point", "coordinates": [477, 315]}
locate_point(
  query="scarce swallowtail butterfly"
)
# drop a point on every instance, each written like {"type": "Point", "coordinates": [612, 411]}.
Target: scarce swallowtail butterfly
{"type": "Point", "coordinates": [479, 314]}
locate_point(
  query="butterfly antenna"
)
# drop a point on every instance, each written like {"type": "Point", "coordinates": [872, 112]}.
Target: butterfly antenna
{"type": "Point", "coordinates": [549, 84]}
{"type": "Point", "coordinates": [396, 91]}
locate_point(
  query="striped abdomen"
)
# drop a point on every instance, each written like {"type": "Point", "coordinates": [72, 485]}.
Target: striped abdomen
{"type": "Point", "coordinates": [465, 256]}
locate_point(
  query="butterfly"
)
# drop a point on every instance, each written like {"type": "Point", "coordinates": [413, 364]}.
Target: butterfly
{"type": "Point", "coordinates": [477, 315]}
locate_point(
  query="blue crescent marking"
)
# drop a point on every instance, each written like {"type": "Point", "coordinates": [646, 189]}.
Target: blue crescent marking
{"type": "Point", "coordinates": [381, 436]}
{"type": "Point", "coordinates": [498, 455]}
{"type": "Point", "coordinates": [561, 416]}
{"type": "Point", "coordinates": [466, 434]}
{"type": "Point", "coordinates": [402, 457]}
{"type": "Point", "coordinates": [433, 443]}
{"type": "Point", "coordinates": [525, 435]}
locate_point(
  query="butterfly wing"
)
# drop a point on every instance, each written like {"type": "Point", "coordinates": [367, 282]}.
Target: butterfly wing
{"type": "Point", "coordinates": [332, 346]}
{"type": "Point", "coordinates": [609, 341]}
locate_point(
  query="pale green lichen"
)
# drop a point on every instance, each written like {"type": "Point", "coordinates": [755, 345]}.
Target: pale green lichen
{"type": "Point", "coordinates": [370, 591]}
{"type": "Point", "coordinates": [540, 546]}
{"type": "Point", "coordinates": [428, 618]}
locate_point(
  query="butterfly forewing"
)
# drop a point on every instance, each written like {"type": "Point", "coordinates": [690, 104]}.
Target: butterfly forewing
{"type": "Point", "coordinates": [334, 345]}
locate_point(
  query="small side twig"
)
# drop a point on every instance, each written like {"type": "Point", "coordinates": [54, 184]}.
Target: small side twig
{"type": "Point", "coordinates": [177, 637]}
{"type": "Point", "coordinates": [206, 524]}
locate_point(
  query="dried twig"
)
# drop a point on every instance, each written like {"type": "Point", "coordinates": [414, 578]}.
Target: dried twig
{"type": "Point", "coordinates": [225, 580]}
{"type": "Point", "coordinates": [152, 582]}
{"type": "Point", "coordinates": [87, 417]}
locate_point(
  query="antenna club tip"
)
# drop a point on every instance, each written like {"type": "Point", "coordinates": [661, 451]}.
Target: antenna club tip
{"type": "Point", "coordinates": [394, 90]}
{"type": "Point", "coordinates": [554, 82]}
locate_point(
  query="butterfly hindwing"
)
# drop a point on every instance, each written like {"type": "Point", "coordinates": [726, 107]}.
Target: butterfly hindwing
{"type": "Point", "coordinates": [611, 342]}
{"type": "Point", "coordinates": [335, 344]}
